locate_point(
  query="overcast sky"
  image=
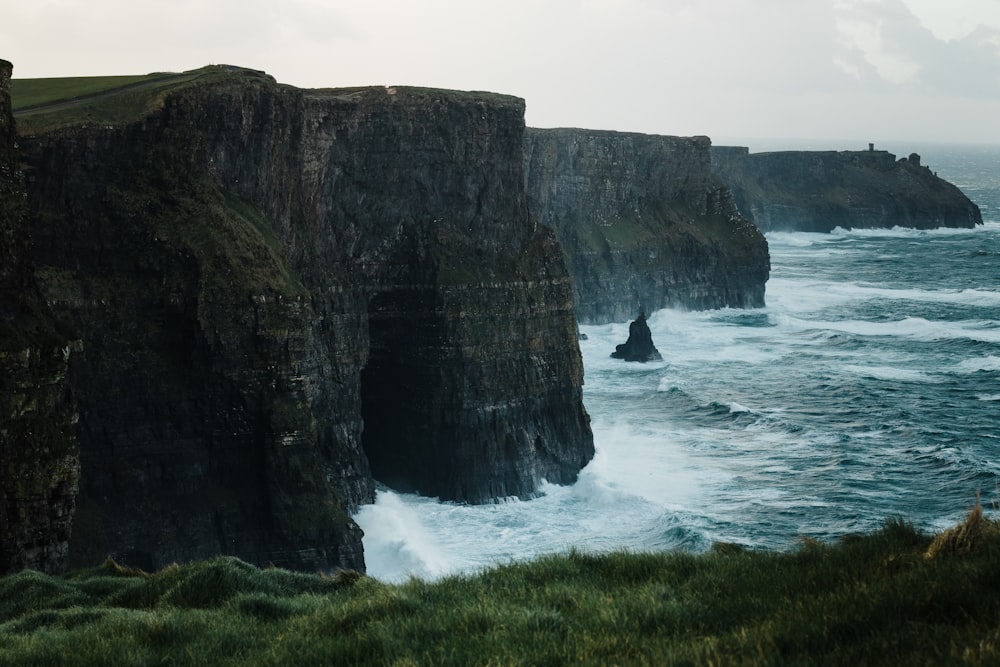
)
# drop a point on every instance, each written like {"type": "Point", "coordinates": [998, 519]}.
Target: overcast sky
{"type": "Point", "coordinates": [852, 70]}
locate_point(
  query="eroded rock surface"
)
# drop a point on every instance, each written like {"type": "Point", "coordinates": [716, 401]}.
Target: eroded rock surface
{"type": "Point", "coordinates": [286, 295]}
{"type": "Point", "coordinates": [818, 191]}
{"type": "Point", "coordinates": [643, 222]}
{"type": "Point", "coordinates": [39, 460]}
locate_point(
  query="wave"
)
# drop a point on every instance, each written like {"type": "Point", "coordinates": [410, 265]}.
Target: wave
{"type": "Point", "coordinates": [912, 328]}
{"type": "Point", "coordinates": [979, 364]}
{"type": "Point", "coordinates": [798, 295]}
{"type": "Point", "coordinates": [893, 373]}
{"type": "Point", "coordinates": [397, 543]}
{"type": "Point", "coordinates": [911, 232]}
{"type": "Point", "coordinates": [965, 297]}
{"type": "Point", "coordinates": [797, 239]}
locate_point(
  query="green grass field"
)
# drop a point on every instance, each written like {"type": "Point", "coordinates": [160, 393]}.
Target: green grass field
{"type": "Point", "coordinates": [45, 105]}
{"type": "Point", "coordinates": [28, 93]}
{"type": "Point", "coordinates": [894, 597]}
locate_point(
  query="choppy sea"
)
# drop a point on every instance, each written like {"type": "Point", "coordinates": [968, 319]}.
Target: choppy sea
{"type": "Point", "coordinates": [868, 388]}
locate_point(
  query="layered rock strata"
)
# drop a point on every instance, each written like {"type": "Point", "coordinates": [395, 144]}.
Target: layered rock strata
{"type": "Point", "coordinates": [818, 191]}
{"type": "Point", "coordinates": [643, 223]}
{"type": "Point", "coordinates": [286, 295]}
{"type": "Point", "coordinates": [39, 459]}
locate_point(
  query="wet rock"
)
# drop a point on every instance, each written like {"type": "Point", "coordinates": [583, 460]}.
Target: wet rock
{"type": "Point", "coordinates": [639, 346]}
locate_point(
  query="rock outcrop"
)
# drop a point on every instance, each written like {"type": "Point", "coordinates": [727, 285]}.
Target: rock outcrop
{"type": "Point", "coordinates": [643, 223]}
{"type": "Point", "coordinates": [39, 459]}
{"type": "Point", "coordinates": [818, 191]}
{"type": "Point", "coordinates": [285, 295]}
{"type": "Point", "coordinates": [639, 346]}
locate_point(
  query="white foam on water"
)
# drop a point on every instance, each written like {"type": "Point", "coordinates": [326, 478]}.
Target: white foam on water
{"type": "Point", "coordinates": [904, 232]}
{"type": "Point", "coordinates": [725, 438]}
{"type": "Point", "coordinates": [398, 543]}
{"type": "Point", "coordinates": [914, 328]}
{"type": "Point", "coordinates": [892, 373]}
{"type": "Point", "coordinates": [978, 364]}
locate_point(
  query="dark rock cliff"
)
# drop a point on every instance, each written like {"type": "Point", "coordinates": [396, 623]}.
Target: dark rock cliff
{"type": "Point", "coordinates": [817, 191]}
{"type": "Point", "coordinates": [285, 295]}
{"type": "Point", "coordinates": [643, 223]}
{"type": "Point", "coordinates": [39, 460]}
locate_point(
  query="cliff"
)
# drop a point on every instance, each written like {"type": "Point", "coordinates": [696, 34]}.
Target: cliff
{"type": "Point", "coordinates": [285, 295]}
{"type": "Point", "coordinates": [817, 191]}
{"type": "Point", "coordinates": [39, 460]}
{"type": "Point", "coordinates": [643, 223]}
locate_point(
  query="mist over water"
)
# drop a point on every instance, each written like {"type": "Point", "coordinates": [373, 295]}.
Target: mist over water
{"type": "Point", "coordinates": [868, 388]}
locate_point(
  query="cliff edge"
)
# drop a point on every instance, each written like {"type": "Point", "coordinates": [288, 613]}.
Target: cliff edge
{"type": "Point", "coordinates": [287, 294]}
{"type": "Point", "coordinates": [643, 223]}
{"type": "Point", "coordinates": [39, 459]}
{"type": "Point", "coordinates": [818, 191]}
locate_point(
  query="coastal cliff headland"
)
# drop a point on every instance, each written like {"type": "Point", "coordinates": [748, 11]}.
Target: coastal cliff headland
{"type": "Point", "coordinates": [818, 191]}
{"type": "Point", "coordinates": [285, 295]}
{"type": "Point", "coordinates": [643, 222]}
{"type": "Point", "coordinates": [232, 307]}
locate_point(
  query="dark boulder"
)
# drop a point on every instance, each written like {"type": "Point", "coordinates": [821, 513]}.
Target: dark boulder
{"type": "Point", "coordinates": [639, 346]}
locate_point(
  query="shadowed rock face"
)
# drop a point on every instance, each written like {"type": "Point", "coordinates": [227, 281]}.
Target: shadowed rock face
{"type": "Point", "coordinates": [643, 223]}
{"type": "Point", "coordinates": [818, 191]}
{"type": "Point", "coordinates": [286, 295]}
{"type": "Point", "coordinates": [39, 460]}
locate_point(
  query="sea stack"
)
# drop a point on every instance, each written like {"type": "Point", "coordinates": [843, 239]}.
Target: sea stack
{"type": "Point", "coordinates": [639, 346]}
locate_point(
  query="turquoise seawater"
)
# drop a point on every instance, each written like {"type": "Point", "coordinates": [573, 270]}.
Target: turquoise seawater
{"type": "Point", "coordinates": [867, 388]}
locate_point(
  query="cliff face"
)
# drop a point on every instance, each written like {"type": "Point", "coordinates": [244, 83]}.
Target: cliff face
{"type": "Point", "coordinates": [39, 460]}
{"type": "Point", "coordinates": [286, 295]}
{"type": "Point", "coordinates": [643, 223]}
{"type": "Point", "coordinates": [817, 191]}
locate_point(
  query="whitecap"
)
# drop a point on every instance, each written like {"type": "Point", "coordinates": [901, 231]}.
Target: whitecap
{"type": "Point", "coordinates": [915, 328]}
{"type": "Point", "coordinates": [905, 232]}
{"type": "Point", "coordinates": [892, 373]}
{"type": "Point", "coordinates": [989, 363]}
{"type": "Point", "coordinates": [398, 545]}
{"type": "Point", "coordinates": [797, 239]}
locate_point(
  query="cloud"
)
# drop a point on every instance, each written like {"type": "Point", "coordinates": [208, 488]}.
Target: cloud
{"type": "Point", "coordinates": [734, 67]}
{"type": "Point", "coordinates": [886, 38]}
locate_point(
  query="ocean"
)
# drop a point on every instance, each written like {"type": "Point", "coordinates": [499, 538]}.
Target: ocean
{"type": "Point", "coordinates": [867, 389]}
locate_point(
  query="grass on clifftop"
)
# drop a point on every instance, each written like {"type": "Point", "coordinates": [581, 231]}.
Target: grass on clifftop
{"type": "Point", "coordinates": [893, 597]}
{"type": "Point", "coordinates": [44, 105]}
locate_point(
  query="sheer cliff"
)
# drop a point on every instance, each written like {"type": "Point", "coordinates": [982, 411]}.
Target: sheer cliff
{"type": "Point", "coordinates": [817, 191]}
{"type": "Point", "coordinates": [39, 459]}
{"type": "Point", "coordinates": [643, 223]}
{"type": "Point", "coordinates": [286, 295]}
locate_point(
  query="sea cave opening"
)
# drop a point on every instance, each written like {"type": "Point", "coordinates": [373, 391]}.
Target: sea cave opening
{"type": "Point", "coordinates": [396, 390]}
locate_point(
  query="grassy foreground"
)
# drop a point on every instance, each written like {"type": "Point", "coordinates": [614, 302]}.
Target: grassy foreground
{"type": "Point", "coordinates": [893, 597]}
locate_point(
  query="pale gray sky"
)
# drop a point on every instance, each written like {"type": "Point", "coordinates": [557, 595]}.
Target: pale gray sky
{"type": "Point", "coordinates": [858, 70]}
